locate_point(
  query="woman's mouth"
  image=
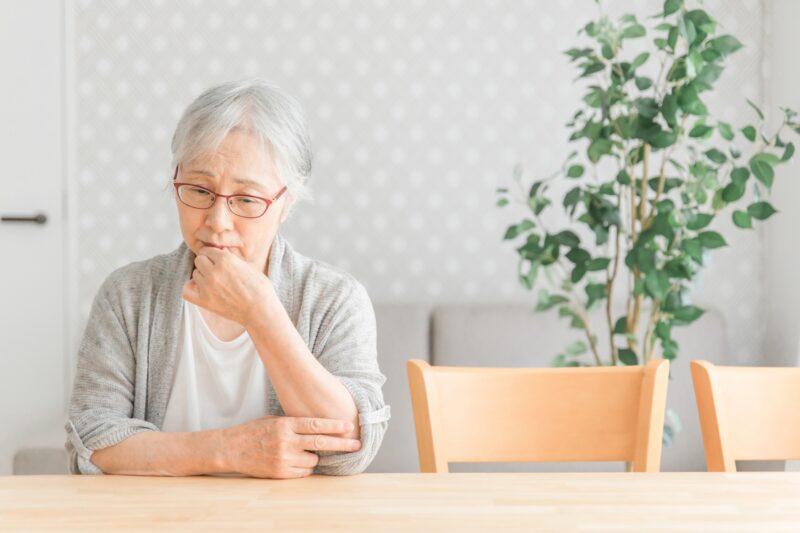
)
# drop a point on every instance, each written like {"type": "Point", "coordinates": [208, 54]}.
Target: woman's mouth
{"type": "Point", "coordinates": [212, 245]}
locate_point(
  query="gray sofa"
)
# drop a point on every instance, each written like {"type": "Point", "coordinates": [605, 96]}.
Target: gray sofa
{"type": "Point", "coordinates": [487, 334]}
{"type": "Point", "coordinates": [512, 335]}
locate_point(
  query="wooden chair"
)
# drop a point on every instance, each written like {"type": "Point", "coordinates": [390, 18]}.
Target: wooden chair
{"type": "Point", "coordinates": [747, 413]}
{"type": "Point", "coordinates": [538, 414]}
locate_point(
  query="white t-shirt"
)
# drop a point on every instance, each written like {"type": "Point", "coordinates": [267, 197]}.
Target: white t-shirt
{"type": "Point", "coordinates": [217, 383]}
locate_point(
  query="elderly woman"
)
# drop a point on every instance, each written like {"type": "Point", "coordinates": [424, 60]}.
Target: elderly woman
{"type": "Point", "coordinates": [233, 353]}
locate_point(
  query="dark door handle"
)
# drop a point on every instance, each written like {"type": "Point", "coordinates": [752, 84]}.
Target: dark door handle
{"type": "Point", "coordinates": [41, 218]}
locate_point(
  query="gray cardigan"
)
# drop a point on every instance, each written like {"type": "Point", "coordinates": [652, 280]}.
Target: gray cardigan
{"type": "Point", "coordinates": [128, 355]}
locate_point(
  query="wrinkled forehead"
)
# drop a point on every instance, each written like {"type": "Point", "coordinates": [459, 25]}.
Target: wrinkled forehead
{"type": "Point", "coordinates": [238, 152]}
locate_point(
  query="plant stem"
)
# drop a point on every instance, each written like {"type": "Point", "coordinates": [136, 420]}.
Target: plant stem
{"type": "Point", "coordinates": [610, 287]}
{"type": "Point", "coordinates": [647, 349]}
{"type": "Point", "coordinates": [643, 193]}
{"type": "Point", "coordinates": [591, 338]}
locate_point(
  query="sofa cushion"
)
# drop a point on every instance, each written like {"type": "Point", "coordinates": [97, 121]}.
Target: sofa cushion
{"type": "Point", "coordinates": [403, 333]}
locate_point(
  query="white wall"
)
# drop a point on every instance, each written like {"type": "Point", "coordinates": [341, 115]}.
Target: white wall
{"type": "Point", "coordinates": [782, 250]}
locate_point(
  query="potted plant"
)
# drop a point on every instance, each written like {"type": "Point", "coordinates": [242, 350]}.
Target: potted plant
{"type": "Point", "coordinates": [650, 173]}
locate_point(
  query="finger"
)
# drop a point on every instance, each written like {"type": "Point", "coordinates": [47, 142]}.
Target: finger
{"type": "Point", "coordinates": [198, 278]}
{"type": "Point", "coordinates": [203, 263]}
{"type": "Point", "coordinates": [316, 426]}
{"type": "Point", "coordinates": [299, 472]}
{"type": "Point", "coordinates": [190, 293]}
{"type": "Point", "coordinates": [328, 443]}
{"type": "Point", "coordinates": [306, 460]}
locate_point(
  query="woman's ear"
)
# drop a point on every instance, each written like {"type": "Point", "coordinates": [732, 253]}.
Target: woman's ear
{"type": "Point", "coordinates": [286, 208]}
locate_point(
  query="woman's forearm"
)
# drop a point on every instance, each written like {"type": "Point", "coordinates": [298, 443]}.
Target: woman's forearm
{"type": "Point", "coordinates": [155, 453]}
{"type": "Point", "coordinates": [304, 387]}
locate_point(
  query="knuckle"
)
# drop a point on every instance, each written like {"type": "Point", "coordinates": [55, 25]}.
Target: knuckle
{"type": "Point", "coordinates": [319, 442]}
{"type": "Point", "coordinates": [316, 425]}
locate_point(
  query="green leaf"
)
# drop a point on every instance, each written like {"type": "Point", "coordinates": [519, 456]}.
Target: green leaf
{"type": "Point", "coordinates": [708, 74]}
{"type": "Point", "coordinates": [627, 356]}
{"type": "Point", "coordinates": [693, 249]}
{"type": "Point", "coordinates": [739, 175]}
{"type": "Point", "coordinates": [762, 170]}
{"type": "Point", "coordinates": [621, 326]}
{"type": "Point", "coordinates": [725, 130]}
{"type": "Point", "coordinates": [502, 202]}
{"type": "Point", "coordinates": [725, 44]}
{"type": "Point", "coordinates": [548, 301]}
{"type": "Point", "coordinates": [599, 263]}
{"type": "Point", "coordinates": [672, 37]}
{"type": "Point", "coordinates": [669, 109]}
{"type": "Point", "coordinates": [699, 221]}
{"type": "Point", "coordinates": [634, 31]}
{"type": "Point", "coordinates": [576, 348]}
{"type": "Point", "coordinates": [788, 152]}
{"type": "Point", "coordinates": [671, 6]}
{"type": "Point", "coordinates": [716, 156]}
{"type": "Point", "coordinates": [662, 139]}
{"type": "Point", "coordinates": [516, 229]}
{"type": "Point", "coordinates": [750, 133]}
{"type": "Point", "coordinates": [578, 256]}
{"type": "Point", "coordinates": [732, 192]}
{"type": "Point", "coordinates": [761, 210]}
{"type": "Point", "coordinates": [575, 171]}
{"type": "Point", "coordinates": [701, 130]}
{"type": "Point", "coordinates": [595, 292]}
{"type": "Point", "coordinates": [572, 198]}
{"type": "Point", "coordinates": [640, 60]}
{"type": "Point", "coordinates": [687, 30]}
{"type": "Point", "coordinates": [688, 314]}
{"type": "Point", "coordinates": [598, 148]}
{"type": "Point", "coordinates": [643, 83]}
{"type": "Point", "coordinates": [742, 219]}
{"type": "Point", "coordinates": [578, 272]}
{"type": "Point", "coordinates": [567, 238]}
{"type": "Point", "coordinates": [647, 107]}
{"type": "Point", "coordinates": [592, 68]}
{"type": "Point", "coordinates": [711, 240]}
{"type": "Point", "coordinates": [657, 283]}
{"type": "Point", "coordinates": [755, 108]}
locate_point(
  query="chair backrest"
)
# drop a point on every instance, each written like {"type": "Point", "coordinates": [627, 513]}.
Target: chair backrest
{"type": "Point", "coordinates": [747, 413]}
{"type": "Point", "coordinates": [538, 414]}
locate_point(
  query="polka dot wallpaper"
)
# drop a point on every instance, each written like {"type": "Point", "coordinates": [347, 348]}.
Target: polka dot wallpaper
{"type": "Point", "coordinates": [418, 110]}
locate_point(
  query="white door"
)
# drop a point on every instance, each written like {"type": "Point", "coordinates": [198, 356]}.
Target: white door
{"type": "Point", "coordinates": [32, 267]}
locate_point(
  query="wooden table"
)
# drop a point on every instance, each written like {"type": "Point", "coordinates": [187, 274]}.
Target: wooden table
{"type": "Point", "coordinates": [692, 502]}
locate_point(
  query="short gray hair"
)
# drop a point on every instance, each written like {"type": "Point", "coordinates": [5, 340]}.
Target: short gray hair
{"type": "Point", "coordinates": [255, 106]}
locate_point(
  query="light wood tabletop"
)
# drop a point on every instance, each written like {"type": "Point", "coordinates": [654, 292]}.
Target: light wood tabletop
{"type": "Point", "coordinates": [694, 502]}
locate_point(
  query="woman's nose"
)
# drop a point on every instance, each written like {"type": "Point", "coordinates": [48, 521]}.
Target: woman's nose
{"type": "Point", "coordinates": [218, 216]}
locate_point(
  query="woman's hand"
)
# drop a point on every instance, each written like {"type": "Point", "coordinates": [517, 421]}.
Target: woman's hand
{"type": "Point", "coordinates": [227, 285]}
{"type": "Point", "coordinates": [279, 446]}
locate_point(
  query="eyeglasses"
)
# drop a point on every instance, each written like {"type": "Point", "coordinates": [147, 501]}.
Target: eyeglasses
{"type": "Point", "coordinates": [243, 205]}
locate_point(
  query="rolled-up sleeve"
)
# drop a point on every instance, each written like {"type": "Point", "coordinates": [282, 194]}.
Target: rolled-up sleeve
{"type": "Point", "coordinates": [349, 352]}
{"type": "Point", "coordinates": [101, 404]}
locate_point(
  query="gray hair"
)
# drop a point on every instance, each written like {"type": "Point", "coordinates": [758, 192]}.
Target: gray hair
{"type": "Point", "coordinates": [256, 107]}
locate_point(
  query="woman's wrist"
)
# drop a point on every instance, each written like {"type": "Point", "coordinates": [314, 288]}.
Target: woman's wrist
{"type": "Point", "coordinates": [264, 309]}
{"type": "Point", "coordinates": [217, 446]}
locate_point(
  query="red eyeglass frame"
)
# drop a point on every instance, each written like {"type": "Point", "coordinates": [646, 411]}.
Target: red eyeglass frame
{"type": "Point", "coordinates": [268, 201]}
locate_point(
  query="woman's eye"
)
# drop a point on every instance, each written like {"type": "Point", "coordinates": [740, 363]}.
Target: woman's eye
{"type": "Point", "coordinates": [197, 190]}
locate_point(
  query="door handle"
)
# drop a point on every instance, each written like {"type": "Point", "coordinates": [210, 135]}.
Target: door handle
{"type": "Point", "coordinates": [39, 218]}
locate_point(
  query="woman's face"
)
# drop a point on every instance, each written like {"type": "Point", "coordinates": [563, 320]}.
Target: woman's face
{"type": "Point", "coordinates": [240, 157]}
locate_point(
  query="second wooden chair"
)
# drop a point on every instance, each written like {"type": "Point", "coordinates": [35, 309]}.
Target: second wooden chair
{"type": "Point", "coordinates": [747, 413]}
